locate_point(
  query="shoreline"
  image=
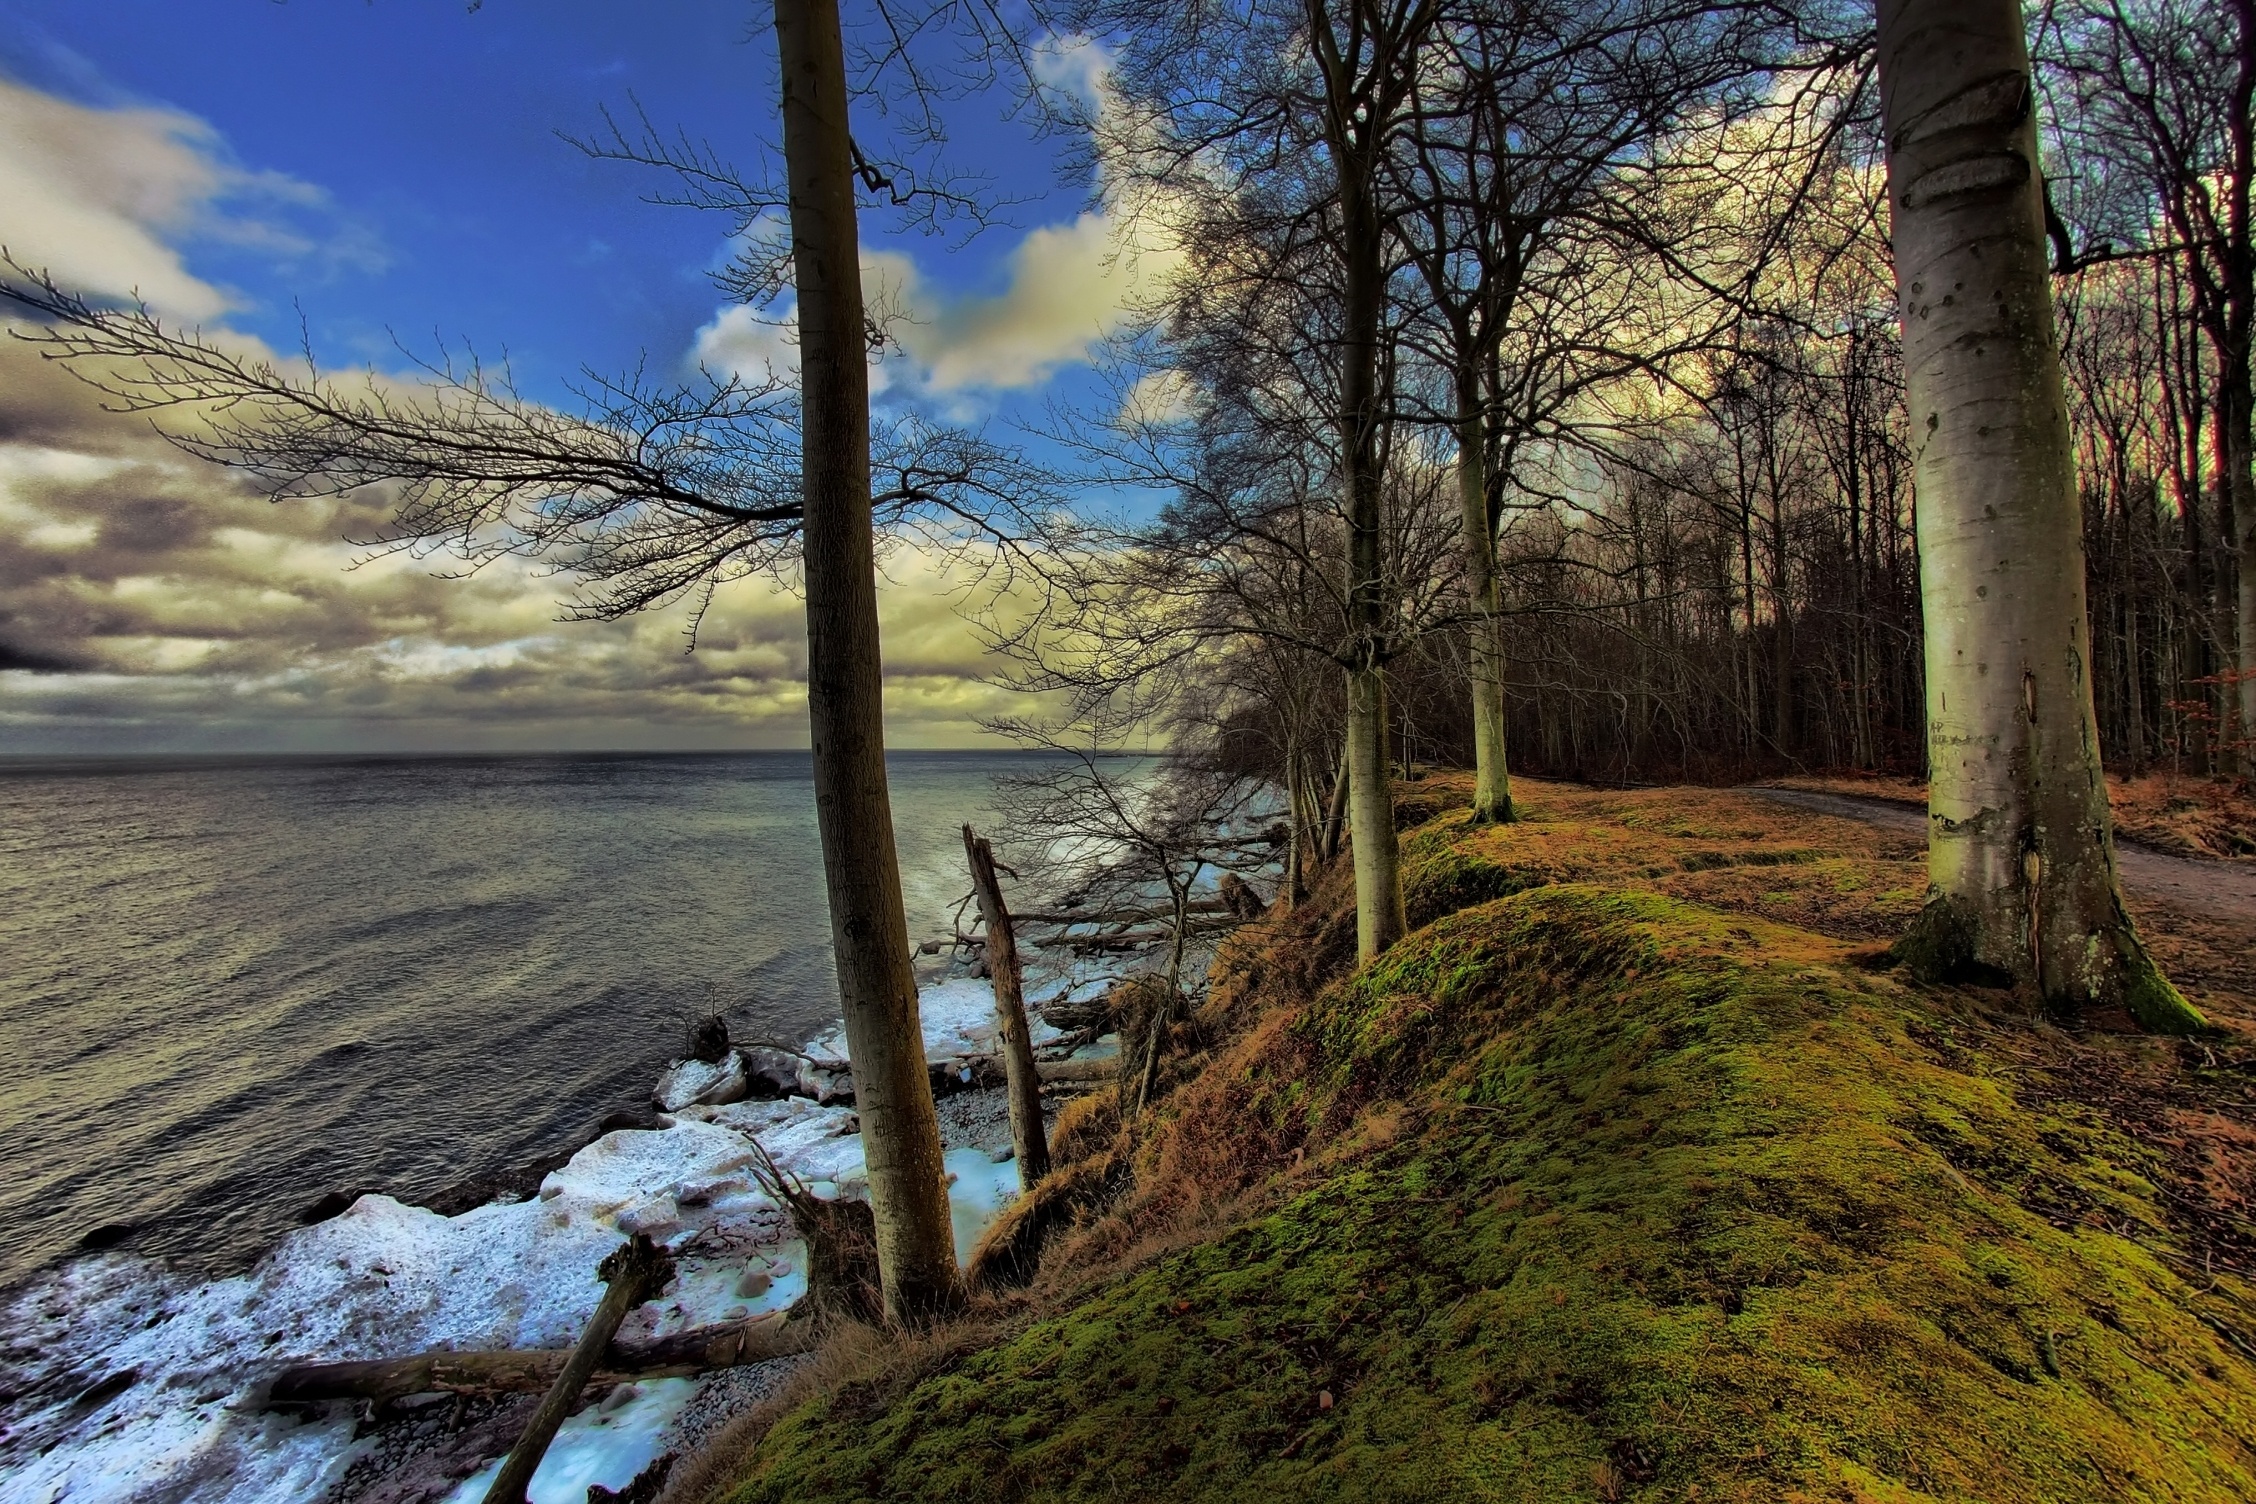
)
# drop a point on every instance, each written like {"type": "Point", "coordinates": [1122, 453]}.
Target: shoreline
{"type": "Point", "coordinates": [124, 1373]}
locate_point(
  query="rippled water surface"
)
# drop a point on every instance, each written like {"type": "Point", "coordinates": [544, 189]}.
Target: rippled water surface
{"type": "Point", "coordinates": [227, 987]}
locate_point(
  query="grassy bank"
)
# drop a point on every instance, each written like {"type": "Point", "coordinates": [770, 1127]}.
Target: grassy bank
{"type": "Point", "coordinates": [1585, 1191]}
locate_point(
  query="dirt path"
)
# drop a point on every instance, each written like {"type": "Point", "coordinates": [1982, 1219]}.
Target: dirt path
{"type": "Point", "coordinates": [2212, 890]}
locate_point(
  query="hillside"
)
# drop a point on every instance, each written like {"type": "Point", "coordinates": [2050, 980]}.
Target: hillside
{"type": "Point", "coordinates": [1600, 1186]}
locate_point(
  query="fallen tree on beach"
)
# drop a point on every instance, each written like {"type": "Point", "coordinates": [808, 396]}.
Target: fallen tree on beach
{"type": "Point", "coordinates": [703, 1349]}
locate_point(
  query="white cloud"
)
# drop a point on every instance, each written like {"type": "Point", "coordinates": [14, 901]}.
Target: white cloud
{"type": "Point", "coordinates": [753, 344]}
{"type": "Point", "coordinates": [1075, 66]}
{"type": "Point", "coordinates": [104, 197]}
{"type": "Point", "coordinates": [1070, 286]}
{"type": "Point", "coordinates": [1159, 397]}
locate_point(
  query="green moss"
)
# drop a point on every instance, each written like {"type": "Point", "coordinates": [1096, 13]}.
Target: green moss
{"type": "Point", "coordinates": [1441, 876]}
{"type": "Point", "coordinates": [1676, 1208]}
{"type": "Point", "coordinates": [2148, 996]}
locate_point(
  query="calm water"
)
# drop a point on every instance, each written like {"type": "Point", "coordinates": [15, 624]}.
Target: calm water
{"type": "Point", "coordinates": [229, 986]}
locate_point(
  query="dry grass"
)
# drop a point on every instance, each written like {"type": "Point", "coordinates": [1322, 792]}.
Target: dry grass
{"type": "Point", "coordinates": [1831, 875]}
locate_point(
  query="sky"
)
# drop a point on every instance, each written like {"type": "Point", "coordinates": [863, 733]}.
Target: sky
{"type": "Point", "coordinates": [368, 175]}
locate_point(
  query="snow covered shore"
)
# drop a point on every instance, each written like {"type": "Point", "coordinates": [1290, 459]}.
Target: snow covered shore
{"type": "Point", "coordinates": [121, 1379]}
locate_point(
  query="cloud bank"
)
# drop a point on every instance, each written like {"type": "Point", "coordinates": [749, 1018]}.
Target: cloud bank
{"type": "Point", "coordinates": [151, 601]}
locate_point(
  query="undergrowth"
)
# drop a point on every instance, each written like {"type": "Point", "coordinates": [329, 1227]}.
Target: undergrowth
{"type": "Point", "coordinates": [1579, 1193]}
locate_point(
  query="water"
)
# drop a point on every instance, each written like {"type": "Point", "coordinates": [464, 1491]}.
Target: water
{"type": "Point", "coordinates": [229, 986]}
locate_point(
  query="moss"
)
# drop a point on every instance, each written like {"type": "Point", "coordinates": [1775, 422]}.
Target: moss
{"type": "Point", "coordinates": [2148, 996]}
{"type": "Point", "coordinates": [1441, 875]}
{"type": "Point", "coordinates": [1673, 1205]}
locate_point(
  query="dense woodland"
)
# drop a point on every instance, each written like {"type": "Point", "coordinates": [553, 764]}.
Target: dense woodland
{"type": "Point", "coordinates": [1664, 291]}
{"type": "Point", "coordinates": [1570, 385]}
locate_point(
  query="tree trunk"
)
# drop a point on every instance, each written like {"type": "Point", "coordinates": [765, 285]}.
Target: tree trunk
{"type": "Point", "coordinates": [1379, 918]}
{"type": "Point", "coordinates": [2237, 407]}
{"type": "Point", "coordinates": [845, 682]}
{"type": "Point", "coordinates": [1335, 810]}
{"type": "Point", "coordinates": [1492, 783]}
{"type": "Point", "coordinates": [1295, 886]}
{"type": "Point", "coordinates": [1029, 1140]}
{"type": "Point", "coordinates": [2021, 855]}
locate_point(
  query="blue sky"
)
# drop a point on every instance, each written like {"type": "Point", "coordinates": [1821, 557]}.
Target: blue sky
{"type": "Point", "coordinates": [451, 202]}
{"type": "Point", "coordinates": [393, 169]}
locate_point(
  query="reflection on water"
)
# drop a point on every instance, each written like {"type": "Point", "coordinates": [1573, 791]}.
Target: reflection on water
{"type": "Point", "coordinates": [228, 986]}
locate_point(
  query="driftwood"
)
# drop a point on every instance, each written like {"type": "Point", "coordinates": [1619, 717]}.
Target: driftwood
{"type": "Point", "coordinates": [1121, 916]}
{"type": "Point", "coordinates": [1074, 1072]}
{"type": "Point", "coordinates": [1029, 1138]}
{"type": "Point", "coordinates": [641, 1268]}
{"type": "Point", "coordinates": [534, 1370]}
{"type": "Point", "coordinates": [1127, 938]}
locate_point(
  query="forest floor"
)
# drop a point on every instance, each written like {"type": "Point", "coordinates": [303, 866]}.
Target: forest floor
{"type": "Point", "coordinates": [1632, 1174]}
{"type": "Point", "coordinates": [2182, 813]}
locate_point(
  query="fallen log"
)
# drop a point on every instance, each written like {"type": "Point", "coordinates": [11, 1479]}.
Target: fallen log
{"type": "Point", "coordinates": [1064, 1072]}
{"type": "Point", "coordinates": [1121, 916]}
{"type": "Point", "coordinates": [1129, 938]}
{"type": "Point", "coordinates": [535, 1370]}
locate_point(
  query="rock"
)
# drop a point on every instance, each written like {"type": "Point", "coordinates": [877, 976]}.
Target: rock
{"type": "Point", "coordinates": [658, 1217]}
{"type": "Point", "coordinates": [769, 1073]}
{"type": "Point", "coordinates": [643, 1490]}
{"type": "Point", "coordinates": [929, 948]}
{"type": "Point", "coordinates": [754, 1283]}
{"type": "Point", "coordinates": [633, 1117]}
{"type": "Point", "coordinates": [326, 1205]}
{"type": "Point", "coordinates": [708, 1039]}
{"type": "Point", "coordinates": [954, 1073]}
{"type": "Point", "coordinates": [1239, 898]}
{"type": "Point", "coordinates": [620, 1397]}
{"type": "Point", "coordinates": [826, 1083]}
{"type": "Point", "coordinates": [698, 1083]}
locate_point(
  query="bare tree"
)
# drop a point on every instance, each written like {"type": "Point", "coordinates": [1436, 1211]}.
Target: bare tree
{"type": "Point", "coordinates": [1122, 831]}
{"type": "Point", "coordinates": [2157, 117]}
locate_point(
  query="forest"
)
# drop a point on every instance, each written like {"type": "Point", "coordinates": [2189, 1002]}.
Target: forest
{"type": "Point", "coordinates": [1553, 415]}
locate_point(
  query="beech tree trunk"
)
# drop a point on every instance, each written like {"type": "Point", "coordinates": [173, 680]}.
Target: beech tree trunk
{"type": "Point", "coordinates": [1029, 1141]}
{"type": "Point", "coordinates": [2021, 859]}
{"type": "Point", "coordinates": [1379, 918]}
{"type": "Point", "coordinates": [845, 682]}
{"type": "Point", "coordinates": [1492, 783]}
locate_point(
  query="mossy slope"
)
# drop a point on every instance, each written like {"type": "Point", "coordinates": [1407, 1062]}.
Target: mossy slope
{"type": "Point", "coordinates": [1609, 1197]}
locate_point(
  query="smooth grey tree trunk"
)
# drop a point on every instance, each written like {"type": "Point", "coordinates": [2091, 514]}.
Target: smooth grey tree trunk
{"type": "Point", "coordinates": [845, 682]}
{"type": "Point", "coordinates": [1350, 128]}
{"type": "Point", "coordinates": [1030, 1143]}
{"type": "Point", "coordinates": [1379, 920]}
{"type": "Point", "coordinates": [1492, 781]}
{"type": "Point", "coordinates": [2021, 859]}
